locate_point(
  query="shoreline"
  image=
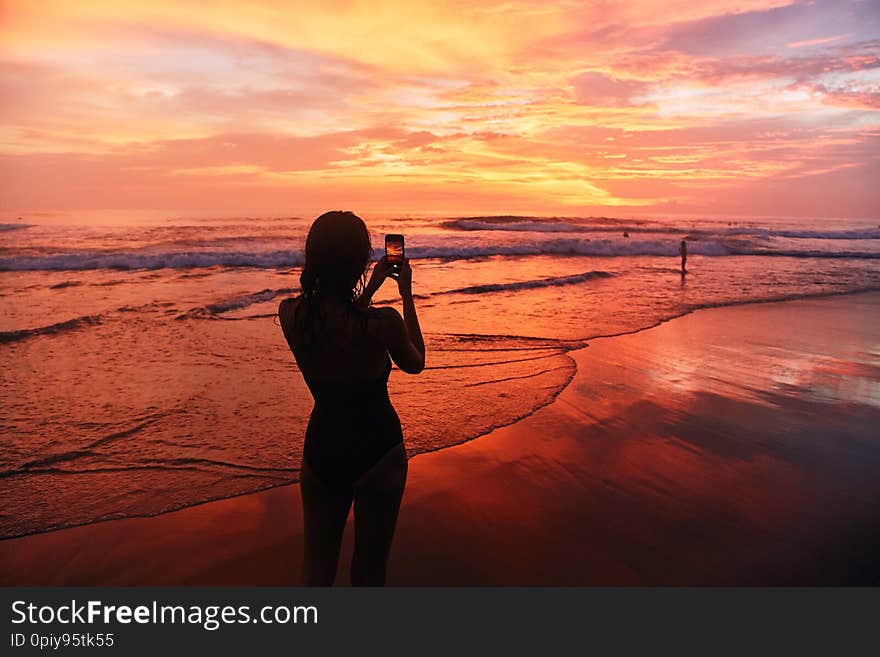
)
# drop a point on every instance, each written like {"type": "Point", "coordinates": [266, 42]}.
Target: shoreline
{"type": "Point", "coordinates": [551, 399]}
{"type": "Point", "coordinates": [277, 514]}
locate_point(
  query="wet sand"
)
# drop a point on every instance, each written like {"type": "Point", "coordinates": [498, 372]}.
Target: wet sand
{"type": "Point", "coordinates": [731, 446]}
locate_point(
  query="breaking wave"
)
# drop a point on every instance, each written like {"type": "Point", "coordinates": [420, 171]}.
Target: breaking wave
{"type": "Point", "coordinates": [569, 246]}
{"type": "Point", "coordinates": [532, 284]}
{"type": "Point", "coordinates": [51, 329]}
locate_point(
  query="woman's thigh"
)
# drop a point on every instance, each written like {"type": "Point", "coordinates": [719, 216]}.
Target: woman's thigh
{"type": "Point", "coordinates": [325, 511]}
{"type": "Point", "coordinates": [377, 497]}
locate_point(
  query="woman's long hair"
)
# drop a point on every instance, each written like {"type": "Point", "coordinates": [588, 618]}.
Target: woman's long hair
{"type": "Point", "coordinates": [338, 251]}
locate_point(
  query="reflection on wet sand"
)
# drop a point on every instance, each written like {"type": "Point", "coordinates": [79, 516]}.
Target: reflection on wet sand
{"type": "Point", "coordinates": [733, 446]}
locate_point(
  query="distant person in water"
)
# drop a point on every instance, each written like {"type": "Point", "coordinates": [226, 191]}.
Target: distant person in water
{"type": "Point", "coordinates": [683, 252]}
{"type": "Point", "coordinates": [353, 445]}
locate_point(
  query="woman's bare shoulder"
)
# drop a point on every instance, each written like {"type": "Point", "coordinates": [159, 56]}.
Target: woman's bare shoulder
{"type": "Point", "coordinates": [383, 313]}
{"type": "Point", "coordinates": [288, 307]}
{"type": "Point", "coordinates": [383, 320]}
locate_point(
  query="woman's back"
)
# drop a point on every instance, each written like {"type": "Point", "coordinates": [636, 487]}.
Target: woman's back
{"type": "Point", "coordinates": [335, 342]}
{"type": "Point", "coordinates": [344, 361]}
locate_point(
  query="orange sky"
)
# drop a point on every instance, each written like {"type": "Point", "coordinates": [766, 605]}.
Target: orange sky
{"type": "Point", "coordinates": [751, 107]}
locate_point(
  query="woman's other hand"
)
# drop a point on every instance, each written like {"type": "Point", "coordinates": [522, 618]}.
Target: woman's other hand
{"type": "Point", "coordinates": [381, 271]}
{"type": "Point", "coordinates": [404, 279]}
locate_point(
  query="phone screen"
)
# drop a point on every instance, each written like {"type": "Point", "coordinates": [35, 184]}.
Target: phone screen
{"type": "Point", "coordinates": [394, 252]}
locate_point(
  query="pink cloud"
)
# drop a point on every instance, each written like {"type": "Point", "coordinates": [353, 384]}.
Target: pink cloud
{"type": "Point", "coordinates": [594, 88]}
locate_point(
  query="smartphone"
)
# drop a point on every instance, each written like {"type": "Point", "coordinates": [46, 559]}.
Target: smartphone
{"type": "Point", "coordinates": [394, 252]}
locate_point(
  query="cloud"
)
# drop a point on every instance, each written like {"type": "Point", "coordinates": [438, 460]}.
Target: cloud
{"type": "Point", "coordinates": [808, 43]}
{"type": "Point", "coordinates": [770, 30]}
{"type": "Point", "coordinates": [672, 66]}
{"type": "Point", "coordinates": [865, 99]}
{"type": "Point", "coordinates": [593, 88]}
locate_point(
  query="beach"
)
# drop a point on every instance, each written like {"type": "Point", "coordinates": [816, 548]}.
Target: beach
{"type": "Point", "coordinates": [733, 445]}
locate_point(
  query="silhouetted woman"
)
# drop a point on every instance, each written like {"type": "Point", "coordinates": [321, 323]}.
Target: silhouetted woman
{"type": "Point", "coordinates": [354, 445]}
{"type": "Point", "coordinates": [683, 252]}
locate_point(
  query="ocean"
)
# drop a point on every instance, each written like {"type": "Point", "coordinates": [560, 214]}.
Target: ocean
{"type": "Point", "coordinates": [142, 368]}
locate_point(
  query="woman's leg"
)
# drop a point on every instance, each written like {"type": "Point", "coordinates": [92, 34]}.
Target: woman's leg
{"type": "Point", "coordinates": [377, 496]}
{"type": "Point", "coordinates": [325, 510]}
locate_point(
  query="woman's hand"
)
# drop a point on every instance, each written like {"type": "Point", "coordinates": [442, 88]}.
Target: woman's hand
{"type": "Point", "coordinates": [381, 271]}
